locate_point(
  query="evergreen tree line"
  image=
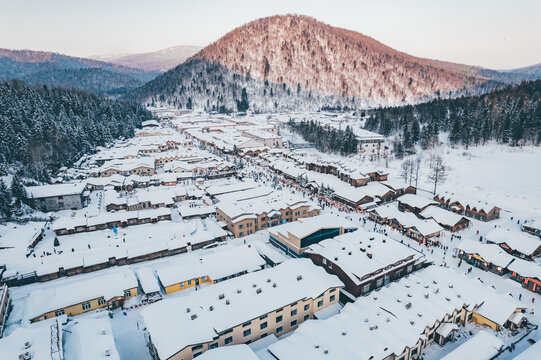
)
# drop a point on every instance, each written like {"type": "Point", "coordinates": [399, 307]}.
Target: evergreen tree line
{"type": "Point", "coordinates": [42, 129]}
{"type": "Point", "coordinates": [510, 115]}
{"type": "Point", "coordinates": [326, 139]}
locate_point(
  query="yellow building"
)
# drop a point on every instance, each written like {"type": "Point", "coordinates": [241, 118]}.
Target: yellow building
{"type": "Point", "coordinates": [75, 297]}
{"type": "Point", "coordinates": [240, 310]}
{"type": "Point", "coordinates": [210, 269]}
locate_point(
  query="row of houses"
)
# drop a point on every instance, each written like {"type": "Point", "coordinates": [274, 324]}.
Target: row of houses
{"type": "Point", "coordinates": [400, 320]}
{"type": "Point", "coordinates": [475, 209]}
{"type": "Point", "coordinates": [66, 225]}
{"type": "Point", "coordinates": [493, 258]}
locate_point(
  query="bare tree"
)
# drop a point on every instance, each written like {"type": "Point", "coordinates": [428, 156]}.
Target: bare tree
{"type": "Point", "coordinates": [418, 162]}
{"type": "Point", "coordinates": [438, 174]}
{"type": "Point", "coordinates": [406, 171]}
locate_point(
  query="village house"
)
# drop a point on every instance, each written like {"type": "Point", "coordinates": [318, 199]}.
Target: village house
{"type": "Point", "coordinates": [369, 142]}
{"type": "Point", "coordinates": [210, 269]}
{"type": "Point", "coordinates": [245, 217]}
{"type": "Point", "coordinates": [240, 310]}
{"type": "Point", "coordinates": [533, 227]}
{"type": "Point", "coordinates": [475, 209]}
{"type": "Point", "coordinates": [414, 203]}
{"type": "Point", "coordinates": [447, 219]}
{"type": "Point", "coordinates": [75, 298]}
{"type": "Point", "coordinates": [58, 197]}
{"type": "Point", "coordinates": [399, 321]}
{"type": "Point", "coordinates": [295, 237]}
{"type": "Point", "coordinates": [365, 261]}
{"type": "Point", "coordinates": [139, 166]}
{"type": "Point", "coordinates": [515, 242]}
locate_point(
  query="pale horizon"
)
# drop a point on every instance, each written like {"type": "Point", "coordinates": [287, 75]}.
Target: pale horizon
{"type": "Point", "coordinates": [491, 34]}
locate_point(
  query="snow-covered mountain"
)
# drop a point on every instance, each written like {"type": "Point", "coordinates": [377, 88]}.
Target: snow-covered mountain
{"type": "Point", "coordinates": [161, 60]}
{"type": "Point", "coordinates": [295, 61]}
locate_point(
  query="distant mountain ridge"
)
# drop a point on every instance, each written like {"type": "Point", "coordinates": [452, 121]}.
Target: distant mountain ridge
{"type": "Point", "coordinates": [296, 62]}
{"type": "Point", "coordinates": [47, 68]}
{"type": "Point", "coordinates": [161, 60]}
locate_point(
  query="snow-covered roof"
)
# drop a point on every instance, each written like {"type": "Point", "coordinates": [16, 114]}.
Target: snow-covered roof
{"type": "Point", "coordinates": [216, 265]}
{"type": "Point", "coordinates": [387, 320]}
{"type": "Point", "coordinates": [147, 279]}
{"type": "Point", "coordinates": [39, 336]}
{"type": "Point", "coordinates": [219, 189]}
{"type": "Point", "coordinates": [481, 346]}
{"type": "Point", "coordinates": [517, 240]}
{"type": "Point", "coordinates": [489, 252]}
{"type": "Point", "coordinates": [349, 251]}
{"type": "Point", "coordinates": [236, 352]}
{"type": "Point", "coordinates": [90, 339]}
{"type": "Point", "coordinates": [306, 226]}
{"type": "Point", "coordinates": [245, 194]}
{"type": "Point", "coordinates": [428, 227]}
{"type": "Point", "coordinates": [441, 216]}
{"type": "Point", "coordinates": [70, 293]}
{"type": "Point", "coordinates": [525, 268]}
{"type": "Point", "coordinates": [43, 191]}
{"type": "Point", "coordinates": [210, 313]}
{"type": "Point", "coordinates": [530, 353]}
{"type": "Point", "coordinates": [416, 201]}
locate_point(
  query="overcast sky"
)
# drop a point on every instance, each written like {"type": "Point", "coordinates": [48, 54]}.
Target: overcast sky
{"type": "Point", "coordinates": [497, 34]}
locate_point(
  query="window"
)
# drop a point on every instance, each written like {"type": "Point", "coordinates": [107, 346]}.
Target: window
{"type": "Point", "coordinates": [247, 323]}
{"type": "Point", "coordinates": [320, 303]}
{"type": "Point", "coordinates": [366, 289]}
{"type": "Point", "coordinates": [197, 347]}
{"type": "Point", "coordinates": [306, 307]}
{"type": "Point", "coordinates": [247, 332]}
{"type": "Point", "coordinates": [263, 317]}
{"type": "Point", "coordinates": [306, 317]}
{"type": "Point", "coordinates": [86, 306]}
{"type": "Point", "coordinates": [241, 226]}
{"type": "Point", "coordinates": [241, 233]}
{"type": "Point", "coordinates": [101, 301]}
{"type": "Point", "coordinates": [294, 312]}
{"type": "Point", "coordinates": [263, 326]}
{"type": "Point", "coordinates": [59, 312]}
{"type": "Point", "coordinates": [228, 340]}
{"type": "Point", "coordinates": [181, 285]}
{"type": "Point", "coordinates": [331, 299]}
{"type": "Point", "coordinates": [213, 346]}
{"type": "Point", "coordinates": [127, 293]}
{"type": "Point", "coordinates": [279, 319]}
{"type": "Point", "coordinates": [294, 323]}
{"type": "Point", "coordinates": [413, 352]}
{"type": "Point", "coordinates": [189, 282]}
{"type": "Point", "coordinates": [263, 335]}
{"type": "Point", "coordinates": [197, 354]}
{"type": "Point", "coordinates": [279, 329]}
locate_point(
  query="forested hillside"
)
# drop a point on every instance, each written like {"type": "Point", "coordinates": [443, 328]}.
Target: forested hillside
{"type": "Point", "coordinates": [44, 128]}
{"type": "Point", "coordinates": [326, 139]}
{"type": "Point", "coordinates": [46, 68]}
{"type": "Point", "coordinates": [510, 115]}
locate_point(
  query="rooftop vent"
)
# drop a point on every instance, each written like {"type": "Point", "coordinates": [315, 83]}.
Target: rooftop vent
{"type": "Point", "coordinates": [299, 277]}
{"type": "Point", "coordinates": [426, 296]}
{"type": "Point", "coordinates": [274, 285]}
{"type": "Point", "coordinates": [211, 308]}
{"type": "Point", "coordinates": [458, 295]}
{"type": "Point", "coordinates": [227, 302]}
{"type": "Point", "coordinates": [258, 291]}
{"type": "Point", "coordinates": [25, 356]}
{"type": "Point", "coordinates": [102, 331]}
{"type": "Point", "coordinates": [412, 322]}
{"type": "Point", "coordinates": [344, 332]}
{"type": "Point", "coordinates": [194, 316]}
{"type": "Point", "coordinates": [316, 345]}
{"type": "Point", "coordinates": [254, 285]}
{"type": "Point", "coordinates": [107, 352]}
{"type": "Point", "coordinates": [369, 255]}
{"type": "Point", "coordinates": [325, 351]}
{"type": "Point", "coordinates": [336, 258]}
{"type": "Point", "coordinates": [349, 252]}
{"type": "Point", "coordinates": [450, 286]}
{"type": "Point", "coordinates": [188, 310]}
{"type": "Point", "coordinates": [239, 291]}
{"type": "Point", "coordinates": [419, 315]}
{"type": "Point", "coordinates": [343, 248]}
{"type": "Point", "coordinates": [268, 280]}
{"type": "Point", "coordinates": [221, 296]}
{"type": "Point", "coordinates": [27, 345]}
{"type": "Point", "coordinates": [363, 250]}
{"type": "Point", "coordinates": [408, 305]}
